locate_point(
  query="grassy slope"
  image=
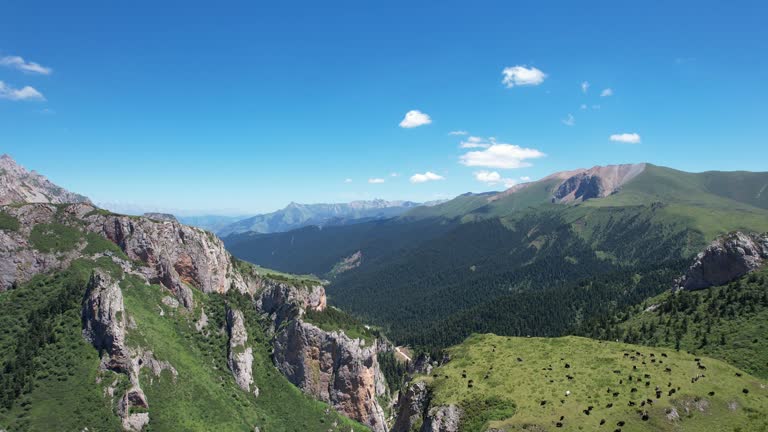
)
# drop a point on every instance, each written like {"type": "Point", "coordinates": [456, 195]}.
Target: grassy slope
{"type": "Point", "coordinates": [732, 319]}
{"type": "Point", "coordinates": [512, 393]}
{"type": "Point", "coordinates": [62, 392]}
{"type": "Point", "coordinates": [205, 396]}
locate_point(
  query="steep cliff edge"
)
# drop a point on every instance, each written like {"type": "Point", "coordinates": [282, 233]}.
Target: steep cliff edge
{"type": "Point", "coordinates": [240, 356]}
{"type": "Point", "coordinates": [725, 259]}
{"type": "Point", "coordinates": [333, 368]}
{"type": "Point", "coordinates": [17, 185]}
{"type": "Point", "coordinates": [105, 325]}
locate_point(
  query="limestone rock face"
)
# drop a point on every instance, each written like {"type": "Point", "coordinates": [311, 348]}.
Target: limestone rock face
{"type": "Point", "coordinates": [104, 320]}
{"type": "Point", "coordinates": [597, 182]}
{"type": "Point", "coordinates": [105, 325]}
{"type": "Point", "coordinates": [176, 256]}
{"type": "Point", "coordinates": [284, 302]}
{"type": "Point", "coordinates": [444, 418]}
{"type": "Point", "coordinates": [333, 368]}
{"type": "Point", "coordinates": [725, 259]}
{"type": "Point", "coordinates": [240, 358]}
{"type": "Point", "coordinates": [17, 185]}
{"type": "Point", "coordinates": [411, 406]}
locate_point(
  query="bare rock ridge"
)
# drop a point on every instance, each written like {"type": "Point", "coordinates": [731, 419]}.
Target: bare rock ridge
{"type": "Point", "coordinates": [240, 356]}
{"type": "Point", "coordinates": [105, 325]}
{"type": "Point", "coordinates": [176, 256]}
{"type": "Point", "coordinates": [725, 259]}
{"type": "Point", "coordinates": [583, 184]}
{"type": "Point", "coordinates": [18, 185]}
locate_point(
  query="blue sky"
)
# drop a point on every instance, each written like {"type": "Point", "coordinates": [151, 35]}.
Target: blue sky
{"type": "Point", "coordinates": [241, 107]}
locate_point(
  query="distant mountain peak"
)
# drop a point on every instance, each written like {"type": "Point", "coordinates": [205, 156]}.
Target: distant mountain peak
{"type": "Point", "coordinates": [18, 185]}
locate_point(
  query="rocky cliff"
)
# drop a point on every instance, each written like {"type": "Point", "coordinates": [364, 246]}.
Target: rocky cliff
{"type": "Point", "coordinates": [725, 259]}
{"type": "Point", "coordinates": [175, 255]}
{"type": "Point", "coordinates": [17, 185]}
{"type": "Point", "coordinates": [333, 368]}
{"type": "Point", "coordinates": [105, 324]}
{"type": "Point", "coordinates": [240, 356]}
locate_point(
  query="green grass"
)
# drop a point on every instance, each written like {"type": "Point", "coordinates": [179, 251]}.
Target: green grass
{"type": "Point", "coordinates": [61, 393]}
{"type": "Point", "coordinates": [98, 244]}
{"type": "Point", "coordinates": [205, 396]}
{"type": "Point", "coordinates": [55, 237]}
{"type": "Point", "coordinates": [333, 319]}
{"type": "Point", "coordinates": [8, 222]}
{"type": "Point", "coordinates": [507, 393]}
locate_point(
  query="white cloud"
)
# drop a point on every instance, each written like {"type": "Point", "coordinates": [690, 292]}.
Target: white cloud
{"type": "Point", "coordinates": [525, 178]}
{"type": "Point", "coordinates": [522, 76]}
{"type": "Point", "coordinates": [24, 93]}
{"type": "Point", "coordinates": [501, 156]}
{"type": "Point", "coordinates": [394, 174]}
{"type": "Point", "coordinates": [490, 177]}
{"type": "Point", "coordinates": [628, 138]}
{"type": "Point", "coordinates": [375, 180]}
{"type": "Point", "coordinates": [585, 86]}
{"type": "Point", "coordinates": [348, 180]}
{"type": "Point", "coordinates": [569, 121]}
{"type": "Point", "coordinates": [606, 92]}
{"type": "Point", "coordinates": [476, 142]}
{"type": "Point", "coordinates": [583, 106]}
{"type": "Point", "coordinates": [19, 63]}
{"type": "Point", "coordinates": [458, 132]}
{"type": "Point", "coordinates": [427, 176]}
{"type": "Point", "coordinates": [493, 177]}
{"type": "Point", "coordinates": [415, 118]}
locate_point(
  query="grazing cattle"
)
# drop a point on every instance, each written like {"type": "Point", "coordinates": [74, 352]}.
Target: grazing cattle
{"type": "Point", "coordinates": [697, 359]}
{"type": "Point", "coordinates": [738, 374]}
{"type": "Point", "coordinates": [562, 418]}
{"type": "Point", "coordinates": [668, 369]}
{"type": "Point", "coordinates": [711, 393]}
{"type": "Point", "coordinates": [602, 422]}
{"type": "Point", "coordinates": [519, 359]}
{"type": "Point", "coordinates": [658, 394]}
{"type": "Point", "coordinates": [543, 403]}
{"type": "Point", "coordinates": [586, 412]}
{"type": "Point", "coordinates": [558, 424]}
{"type": "Point", "coordinates": [634, 390]}
{"type": "Point", "coordinates": [645, 417]}
{"type": "Point", "coordinates": [647, 383]}
{"type": "Point", "coordinates": [634, 367]}
{"type": "Point", "coordinates": [620, 424]}
{"type": "Point", "coordinates": [745, 391]}
{"type": "Point", "coordinates": [610, 405]}
{"type": "Point", "coordinates": [671, 392]}
{"type": "Point", "coordinates": [615, 394]}
{"type": "Point", "coordinates": [631, 403]}
{"type": "Point", "coordinates": [569, 377]}
{"type": "Point", "coordinates": [567, 365]}
{"type": "Point", "coordinates": [663, 354]}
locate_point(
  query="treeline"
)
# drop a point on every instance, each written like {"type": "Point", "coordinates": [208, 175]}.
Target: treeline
{"type": "Point", "coordinates": [534, 275]}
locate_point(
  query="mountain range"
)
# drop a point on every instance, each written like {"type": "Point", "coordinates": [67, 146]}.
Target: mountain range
{"type": "Point", "coordinates": [629, 298]}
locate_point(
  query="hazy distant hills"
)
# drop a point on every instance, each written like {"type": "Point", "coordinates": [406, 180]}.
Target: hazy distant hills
{"type": "Point", "coordinates": [297, 215]}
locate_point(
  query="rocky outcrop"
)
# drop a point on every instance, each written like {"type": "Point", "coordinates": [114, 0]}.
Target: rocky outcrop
{"type": "Point", "coordinates": [175, 255]}
{"type": "Point", "coordinates": [17, 185]}
{"type": "Point", "coordinates": [105, 325]}
{"type": "Point", "coordinates": [284, 302]}
{"type": "Point", "coordinates": [597, 182]}
{"type": "Point", "coordinates": [411, 407]}
{"type": "Point", "coordinates": [725, 259]}
{"type": "Point", "coordinates": [104, 321]}
{"type": "Point", "coordinates": [333, 368]}
{"type": "Point", "coordinates": [161, 216]}
{"type": "Point", "coordinates": [445, 418]}
{"type": "Point", "coordinates": [240, 356]}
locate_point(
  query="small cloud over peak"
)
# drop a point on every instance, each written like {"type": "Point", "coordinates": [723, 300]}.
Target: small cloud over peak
{"type": "Point", "coordinates": [585, 87]}
{"type": "Point", "coordinates": [458, 132]}
{"type": "Point", "coordinates": [606, 92]}
{"type": "Point", "coordinates": [500, 155]}
{"type": "Point", "coordinates": [25, 93]}
{"type": "Point", "coordinates": [522, 76]}
{"type": "Point", "coordinates": [415, 118]}
{"type": "Point", "coordinates": [493, 177]}
{"type": "Point", "coordinates": [427, 176]}
{"type": "Point", "coordinates": [376, 180]}
{"type": "Point", "coordinates": [19, 63]}
{"type": "Point", "coordinates": [627, 138]}
{"type": "Point", "coordinates": [570, 120]}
